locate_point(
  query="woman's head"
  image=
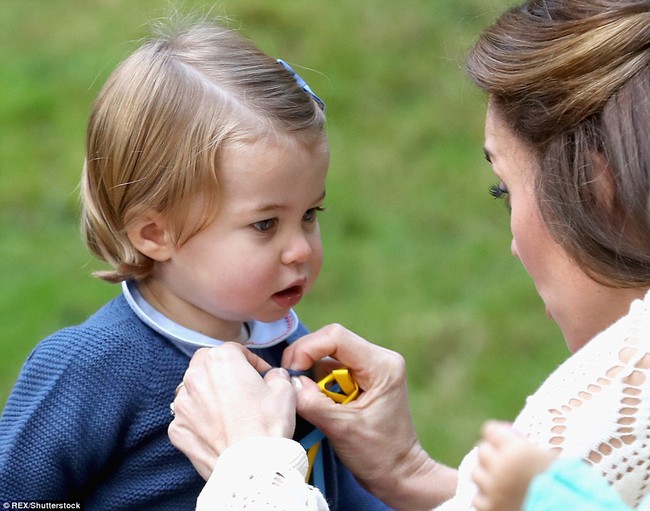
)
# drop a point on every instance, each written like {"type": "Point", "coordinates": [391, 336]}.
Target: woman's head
{"type": "Point", "coordinates": [580, 306]}
{"type": "Point", "coordinates": [160, 123]}
{"type": "Point", "coordinates": [571, 80]}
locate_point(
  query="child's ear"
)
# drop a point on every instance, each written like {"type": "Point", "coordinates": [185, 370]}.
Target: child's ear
{"type": "Point", "coordinates": [150, 236]}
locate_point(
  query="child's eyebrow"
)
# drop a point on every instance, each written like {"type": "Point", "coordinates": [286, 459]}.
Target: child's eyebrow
{"type": "Point", "coordinates": [275, 207]}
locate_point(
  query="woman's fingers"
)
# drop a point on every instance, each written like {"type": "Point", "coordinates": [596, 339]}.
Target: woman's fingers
{"type": "Point", "coordinates": [375, 430]}
{"type": "Point", "coordinates": [332, 341]}
{"type": "Point", "coordinates": [224, 399]}
{"type": "Point", "coordinates": [369, 364]}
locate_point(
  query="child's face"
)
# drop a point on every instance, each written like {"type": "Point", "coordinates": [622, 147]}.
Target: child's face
{"type": "Point", "coordinates": [263, 250]}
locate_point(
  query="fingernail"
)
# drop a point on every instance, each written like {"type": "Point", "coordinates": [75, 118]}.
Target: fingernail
{"type": "Point", "coordinates": [283, 372]}
{"type": "Point", "coordinates": [297, 384]}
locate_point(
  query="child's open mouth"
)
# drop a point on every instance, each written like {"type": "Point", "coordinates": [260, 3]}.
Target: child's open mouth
{"type": "Point", "coordinates": [289, 297]}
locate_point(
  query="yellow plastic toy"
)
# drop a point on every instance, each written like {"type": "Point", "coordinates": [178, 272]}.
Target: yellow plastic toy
{"type": "Point", "coordinates": [341, 387]}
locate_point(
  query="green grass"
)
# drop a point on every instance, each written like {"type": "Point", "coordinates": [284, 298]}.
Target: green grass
{"type": "Point", "coordinates": [417, 254]}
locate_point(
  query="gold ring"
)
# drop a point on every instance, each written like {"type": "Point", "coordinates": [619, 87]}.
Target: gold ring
{"type": "Point", "coordinates": [178, 389]}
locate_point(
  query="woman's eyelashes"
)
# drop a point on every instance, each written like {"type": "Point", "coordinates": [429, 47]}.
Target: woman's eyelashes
{"type": "Point", "coordinates": [499, 191]}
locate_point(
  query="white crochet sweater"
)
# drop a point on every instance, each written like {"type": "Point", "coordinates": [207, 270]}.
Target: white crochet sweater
{"type": "Point", "coordinates": [595, 406]}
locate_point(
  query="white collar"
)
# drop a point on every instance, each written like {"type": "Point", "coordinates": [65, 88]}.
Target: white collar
{"type": "Point", "coordinates": [261, 335]}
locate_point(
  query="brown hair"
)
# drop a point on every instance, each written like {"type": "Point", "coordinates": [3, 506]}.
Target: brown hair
{"type": "Point", "coordinates": [159, 122]}
{"type": "Point", "coordinates": [572, 80]}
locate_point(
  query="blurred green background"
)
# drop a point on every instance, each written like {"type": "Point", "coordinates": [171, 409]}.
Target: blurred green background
{"type": "Point", "coordinates": [417, 253]}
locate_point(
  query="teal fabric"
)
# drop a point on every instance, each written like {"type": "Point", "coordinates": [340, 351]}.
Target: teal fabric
{"type": "Point", "coordinates": [571, 484]}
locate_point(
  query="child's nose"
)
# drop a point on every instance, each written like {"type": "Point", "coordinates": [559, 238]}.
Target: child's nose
{"type": "Point", "coordinates": [297, 250]}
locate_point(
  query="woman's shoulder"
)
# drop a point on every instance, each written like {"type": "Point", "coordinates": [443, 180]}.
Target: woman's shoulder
{"type": "Point", "coordinates": [595, 380]}
{"type": "Point", "coordinates": [640, 320]}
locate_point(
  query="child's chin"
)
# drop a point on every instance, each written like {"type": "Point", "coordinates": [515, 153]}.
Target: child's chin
{"type": "Point", "coordinates": [273, 317]}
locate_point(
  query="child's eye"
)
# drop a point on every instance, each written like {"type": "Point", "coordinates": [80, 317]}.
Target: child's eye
{"type": "Point", "coordinates": [498, 191]}
{"type": "Point", "coordinates": [310, 214]}
{"type": "Point", "coordinates": [265, 225]}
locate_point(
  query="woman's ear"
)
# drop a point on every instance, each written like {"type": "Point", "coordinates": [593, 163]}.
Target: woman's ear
{"type": "Point", "coordinates": [603, 179]}
{"type": "Point", "coordinates": [150, 235]}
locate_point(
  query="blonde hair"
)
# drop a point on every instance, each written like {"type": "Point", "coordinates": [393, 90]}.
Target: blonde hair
{"type": "Point", "coordinates": [572, 80]}
{"type": "Point", "coordinates": [159, 122]}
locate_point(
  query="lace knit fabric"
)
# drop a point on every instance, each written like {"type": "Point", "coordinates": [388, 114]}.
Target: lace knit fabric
{"type": "Point", "coordinates": [261, 473]}
{"type": "Point", "coordinates": [595, 406]}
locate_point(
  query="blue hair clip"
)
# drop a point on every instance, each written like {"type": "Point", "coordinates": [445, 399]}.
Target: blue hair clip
{"type": "Point", "coordinates": [303, 84]}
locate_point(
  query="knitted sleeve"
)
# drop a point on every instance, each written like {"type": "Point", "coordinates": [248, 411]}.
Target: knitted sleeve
{"type": "Point", "coordinates": [261, 473]}
{"type": "Point", "coordinates": [69, 407]}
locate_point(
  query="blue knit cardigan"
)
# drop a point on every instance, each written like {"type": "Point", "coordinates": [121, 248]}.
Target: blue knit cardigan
{"type": "Point", "coordinates": [87, 422]}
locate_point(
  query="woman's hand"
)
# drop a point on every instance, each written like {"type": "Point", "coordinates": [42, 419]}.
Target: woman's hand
{"type": "Point", "coordinates": [374, 434]}
{"type": "Point", "coordinates": [224, 399]}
